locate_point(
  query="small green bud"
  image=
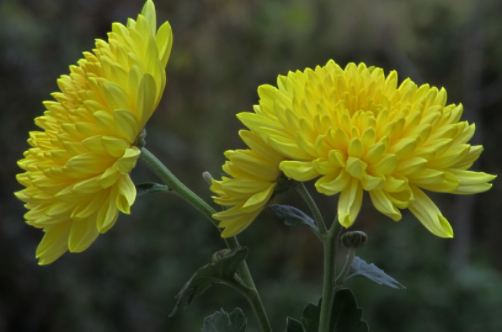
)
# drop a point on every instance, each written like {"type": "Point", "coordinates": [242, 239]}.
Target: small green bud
{"type": "Point", "coordinates": [355, 239]}
{"type": "Point", "coordinates": [207, 177]}
{"type": "Point", "coordinates": [220, 254]}
{"type": "Point", "coordinates": [284, 184]}
{"type": "Point", "coordinates": [140, 140]}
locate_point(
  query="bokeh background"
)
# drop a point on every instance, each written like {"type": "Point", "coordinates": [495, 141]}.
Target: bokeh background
{"type": "Point", "coordinates": [223, 50]}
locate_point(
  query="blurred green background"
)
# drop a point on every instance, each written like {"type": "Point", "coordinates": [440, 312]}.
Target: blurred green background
{"type": "Point", "coordinates": [222, 51]}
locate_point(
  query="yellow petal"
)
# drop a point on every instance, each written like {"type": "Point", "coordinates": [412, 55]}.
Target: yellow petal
{"type": "Point", "coordinates": [126, 194]}
{"type": "Point", "coordinates": [350, 203]}
{"type": "Point", "coordinates": [384, 205]}
{"type": "Point", "coordinates": [332, 185]}
{"type": "Point", "coordinates": [429, 215]}
{"type": "Point", "coordinates": [258, 200]}
{"type": "Point", "coordinates": [370, 182]}
{"type": "Point", "coordinates": [82, 234]}
{"type": "Point", "coordinates": [356, 148]}
{"type": "Point", "coordinates": [126, 124]}
{"type": "Point", "coordinates": [107, 215]}
{"type": "Point", "coordinates": [164, 40]}
{"type": "Point", "coordinates": [449, 184]}
{"type": "Point", "coordinates": [128, 161]}
{"type": "Point", "coordinates": [114, 146]}
{"type": "Point", "coordinates": [148, 12]}
{"type": "Point", "coordinates": [298, 170]}
{"type": "Point", "coordinates": [54, 244]}
{"type": "Point", "coordinates": [356, 167]}
{"type": "Point", "coordinates": [411, 166]}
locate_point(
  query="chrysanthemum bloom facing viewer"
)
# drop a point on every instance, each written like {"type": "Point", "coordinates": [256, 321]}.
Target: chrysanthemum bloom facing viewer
{"type": "Point", "coordinates": [77, 168]}
{"type": "Point", "coordinates": [355, 129]}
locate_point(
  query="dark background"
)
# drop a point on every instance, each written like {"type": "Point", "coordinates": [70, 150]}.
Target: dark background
{"type": "Point", "coordinates": [222, 51]}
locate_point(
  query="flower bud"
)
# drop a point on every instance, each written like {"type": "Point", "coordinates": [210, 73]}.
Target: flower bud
{"type": "Point", "coordinates": [141, 139]}
{"type": "Point", "coordinates": [355, 239]}
{"type": "Point", "coordinates": [284, 184]}
{"type": "Point", "coordinates": [219, 255]}
{"type": "Point", "coordinates": [207, 177]}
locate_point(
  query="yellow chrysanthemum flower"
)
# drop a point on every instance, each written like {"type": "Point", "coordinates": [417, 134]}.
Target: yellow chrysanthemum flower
{"type": "Point", "coordinates": [357, 130]}
{"type": "Point", "coordinates": [254, 173]}
{"type": "Point", "coordinates": [76, 175]}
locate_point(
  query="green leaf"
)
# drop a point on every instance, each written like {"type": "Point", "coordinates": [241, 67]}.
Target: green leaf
{"type": "Point", "coordinates": [345, 315]}
{"type": "Point", "coordinates": [222, 271]}
{"type": "Point", "coordinates": [360, 268]}
{"type": "Point", "coordinates": [292, 216]}
{"type": "Point", "coordinates": [311, 315]}
{"type": "Point", "coordinates": [222, 321]}
{"type": "Point", "coordinates": [150, 187]}
{"type": "Point", "coordinates": [292, 325]}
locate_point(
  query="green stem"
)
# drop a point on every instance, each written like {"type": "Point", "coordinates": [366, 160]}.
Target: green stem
{"type": "Point", "coordinates": [254, 301]}
{"type": "Point", "coordinates": [346, 268]}
{"type": "Point", "coordinates": [329, 271]}
{"type": "Point", "coordinates": [259, 311]}
{"type": "Point", "coordinates": [177, 186]}
{"type": "Point", "coordinates": [313, 207]}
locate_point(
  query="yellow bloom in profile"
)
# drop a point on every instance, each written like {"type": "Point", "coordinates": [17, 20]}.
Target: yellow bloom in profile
{"type": "Point", "coordinates": [77, 168]}
{"type": "Point", "coordinates": [254, 173]}
{"type": "Point", "coordinates": [356, 130]}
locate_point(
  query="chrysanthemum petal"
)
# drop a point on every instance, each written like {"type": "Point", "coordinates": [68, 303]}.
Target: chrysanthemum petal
{"type": "Point", "coordinates": [82, 234]}
{"type": "Point", "coordinates": [108, 213]}
{"type": "Point", "coordinates": [383, 204]}
{"type": "Point", "coordinates": [126, 124]}
{"type": "Point", "coordinates": [256, 144]}
{"type": "Point", "coordinates": [89, 163]}
{"type": "Point", "coordinates": [411, 166]}
{"type": "Point", "coordinates": [148, 12]}
{"type": "Point", "coordinates": [333, 184]}
{"type": "Point", "coordinates": [146, 98]}
{"type": "Point", "coordinates": [259, 199]}
{"type": "Point", "coordinates": [114, 146]}
{"type": "Point", "coordinates": [370, 182]}
{"type": "Point", "coordinates": [467, 178]}
{"type": "Point", "coordinates": [164, 40]}
{"type": "Point", "coordinates": [356, 167]}
{"type": "Point", "coordinates": [54, 243]}
{"type": "Point", "coordinates": [427, 177]}
{"type": "Point", "coordinates": [298, 170]}
{"type": "Point", "coordinates": [288, 148]}
{"type": "Point", "coordinates": [116, 97]}
{"type": "Point", "coordinates": [237, 225]}
{"type": "Point", "coordinates": [243, 186]}
{"type": "Point", "coordinates": [449, 184]}
{"type": "Point", "coordinates": [86, 208]}
{"type": "Point", "coordinates": [350, 203]}
{"type": "Point", "coordinates": [126, 194]}
{"type": "Point", "coordinates": [429, 215]}
{"type": "Point", "coordinates": [473, 189]}
{"type": "Point", "coordinates": [128, 161]}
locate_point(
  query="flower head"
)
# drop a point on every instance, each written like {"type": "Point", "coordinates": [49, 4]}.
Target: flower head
{"type": "Point", "coordinates": [356, 130]}
{"type": "Point", "coordinates": [76, 171]}
{"type": "Point", "coordinates": [254, 173]}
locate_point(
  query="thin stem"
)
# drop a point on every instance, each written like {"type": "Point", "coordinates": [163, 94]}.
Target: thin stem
{"type": "Point", "coordinates": [255, 302]}
{"type": "Point", "coordinates": [177, 186]}
{"type": "Point", "coordinates": [313, 207]}
{"type": "Point", "coordinates": [329, 271]}
{"type": "Point", "coordinates": [346, 268]}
